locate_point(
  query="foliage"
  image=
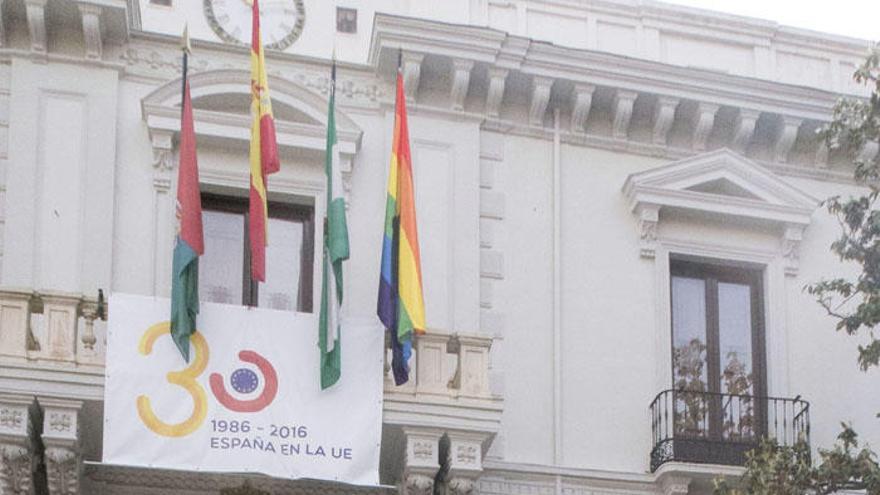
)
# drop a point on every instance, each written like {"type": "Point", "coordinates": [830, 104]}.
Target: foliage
{"type": "Point", "coordinates": [855, 302]}
{"type": "Point", "coordinates": [772, 469]}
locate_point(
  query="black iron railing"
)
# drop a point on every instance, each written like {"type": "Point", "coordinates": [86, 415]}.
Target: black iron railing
{"type": "Point", "coordinates": [714, 428]}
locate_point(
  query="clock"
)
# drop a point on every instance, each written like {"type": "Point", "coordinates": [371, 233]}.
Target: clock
{"type": "Point", "coordinates": [281, 21]}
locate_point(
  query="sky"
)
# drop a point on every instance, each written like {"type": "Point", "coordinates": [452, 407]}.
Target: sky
{"type": "Point", "coordinates": [854, 18]}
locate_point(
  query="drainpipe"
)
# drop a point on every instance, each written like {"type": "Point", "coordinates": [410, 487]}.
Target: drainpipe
{"type": "Point", "coordinates": [557, 306]}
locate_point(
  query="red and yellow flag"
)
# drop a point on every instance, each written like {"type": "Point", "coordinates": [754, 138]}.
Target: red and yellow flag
{"type": "Point", "coordinates": [263, 153]}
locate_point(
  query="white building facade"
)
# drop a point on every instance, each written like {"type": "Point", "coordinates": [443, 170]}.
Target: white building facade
{"type": "Point", "coordinates": [618, 206]}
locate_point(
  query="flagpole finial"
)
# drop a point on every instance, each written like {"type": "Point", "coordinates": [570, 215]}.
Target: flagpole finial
{"type": "Point", "coordinates": [185, 44]}
{"type": "Point", "coordinates": [399, 57]}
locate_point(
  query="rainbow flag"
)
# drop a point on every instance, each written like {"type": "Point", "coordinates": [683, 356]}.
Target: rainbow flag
{"type": "Point", "coordinates": [190, 243]}
{"type": "Point", "coordinates": [263, 153]}
{"type": "Point", "coordinates": [401, 305]}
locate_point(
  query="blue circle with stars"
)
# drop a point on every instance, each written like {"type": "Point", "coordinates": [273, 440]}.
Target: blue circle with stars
{"type": "Point", "coordinates": [244, 381]}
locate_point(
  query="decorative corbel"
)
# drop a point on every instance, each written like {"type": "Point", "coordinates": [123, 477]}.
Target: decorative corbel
{"type": "Point", "coordinates": [61, 438]}
{"type": "Point", "coordinates": [582, 100]}
{"type": "Point", "coordinates": [421, 461]}
{"type": "Point", "coordinates": [674, 485]}
{"type": "Point", "coordinates": [791, 243]}
{"type": "Point", "coordinates": [91, 23]}
{"type": "Point", "coordinates": [15, 453]}
{"type": "Point", "coordinates": [465, 462]}
{"type": "Point", "coordinates": [412, 71]}
{"type": "Point", "coordinates": [787, 137]}
{"type": "Point", "coordinates": [497, 78]}
{"type": "Point", "coordinates": [745, 129]}
{"type": "Point", "coordinates": [649, 215]}
{"type": "Point", "coordinates": [461, 77]}
{"type": "Point", "coordinates": [623, 108]}
{"type": "Point", "coordinates": [540, 97]}
{"type": "Point", "coordinates": [36, 18]}
{"type": "Point", "coordinates": [705, 122]}
{"type": "Point", "coordinates": [664, 116]}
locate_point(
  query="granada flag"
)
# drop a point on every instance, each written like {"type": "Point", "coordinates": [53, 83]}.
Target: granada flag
{"type": "Point", "coordinates": [263, 153]}
{"type": "Point", "coordinates": [190, 243]}
{"type": "Point", "coordinates": [401, 306]}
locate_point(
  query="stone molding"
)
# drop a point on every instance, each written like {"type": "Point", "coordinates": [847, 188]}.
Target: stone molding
{"type": "Point", "coordinates": [61, 438]}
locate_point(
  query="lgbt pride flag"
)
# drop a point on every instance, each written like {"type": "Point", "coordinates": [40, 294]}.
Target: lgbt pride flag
{"type": "Point", "coordinates": [401, 305]}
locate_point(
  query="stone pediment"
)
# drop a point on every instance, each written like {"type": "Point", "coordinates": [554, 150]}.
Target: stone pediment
{"type": "Point", "coordinates": [720, 185]}
{"type": "Point", "coordinates": [723, 183]}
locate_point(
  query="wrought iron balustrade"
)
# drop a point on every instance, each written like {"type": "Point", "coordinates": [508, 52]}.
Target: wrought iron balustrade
{"type": "Point", "coordinates": [716, 428]}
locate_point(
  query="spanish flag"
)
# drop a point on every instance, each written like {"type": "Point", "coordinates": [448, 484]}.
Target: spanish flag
{"type": "Point", "coordinates": [264, 151]}
{"type": "Point", "coordinates": [401, 305]}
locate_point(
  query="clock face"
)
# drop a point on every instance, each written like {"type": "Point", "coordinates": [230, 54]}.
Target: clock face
{"type": "Point", "coordinates": [281, 21]}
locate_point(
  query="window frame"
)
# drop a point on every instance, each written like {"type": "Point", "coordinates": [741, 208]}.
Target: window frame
{"type": "Point", "coordinates": [278, 210]}
{"type": "Point", "coordinates": [712, 274]}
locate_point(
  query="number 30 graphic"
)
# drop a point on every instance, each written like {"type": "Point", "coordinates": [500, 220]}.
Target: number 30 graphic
{"type": "Point", "coordinates": [185, 378]}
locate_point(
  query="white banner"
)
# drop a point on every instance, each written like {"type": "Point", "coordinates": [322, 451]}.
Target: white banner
{"type": "Point", "coordinates": [249, 400]}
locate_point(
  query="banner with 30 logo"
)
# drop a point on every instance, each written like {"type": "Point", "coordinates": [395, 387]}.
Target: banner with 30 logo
{"type": "Point", "coordinates": [249, 399]}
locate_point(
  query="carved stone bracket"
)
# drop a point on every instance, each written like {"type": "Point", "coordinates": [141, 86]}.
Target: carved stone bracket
{"type": "Point", "coordinates": [465, 462]}
{"type": "Point", "coordinates": [540, 97]}
{"type": "Point", "coordinates": [91, 23]}
{"type": "Point", "coordinates": [787, 137]}
{"type": "Point", "coordinates": [412, 71]}
{"type": "Point", "coordinates": [497, 78]}
{"type": "Point", "coordinates": [664, 116]}
{"type": "Point", "coordinates": [36, 18]}
{"type": "Point", "coordinates": [674, 485]}
{"type": "Point", "coordinates": [15, 454]}
{"type": "Point", "coordinates": [582, 101]}
{"type": "Point", "coordinates": [705, 122]}
{"type": "Point", "coordinates": [791, 243]}
{"type": "Point", "coordinates": [61, 438]}
{"type": "Point", "coordinates": [623, 108]}
{"type": "Point", "coordinates": [649, 215]}
{"type": "Point", "coordinates": [461, 486]}
{"type": "Point", "coordinates": [461, 77]}
{"type": "Point", "coordinates": [163, 158]}
{"type": "Point", "coordinates": [745, 129]}
{"type": "Point", "coordinates": [421, 462]}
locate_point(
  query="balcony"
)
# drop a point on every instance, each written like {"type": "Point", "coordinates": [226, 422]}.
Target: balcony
{"type": "Point", "coordinates": [53, 346]}
{"type": "Point", "coordinates": [715, 428]}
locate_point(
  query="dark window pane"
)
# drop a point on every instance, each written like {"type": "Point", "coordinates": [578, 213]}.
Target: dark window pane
{"type": "Point", "coordinates": [283, 265]}
{"type": "Point", "coordinates": [689, 333]}
{"type": "Point", "coordinates": [220, 268]}
{"type": "Point", "coordinates": [735, 351]}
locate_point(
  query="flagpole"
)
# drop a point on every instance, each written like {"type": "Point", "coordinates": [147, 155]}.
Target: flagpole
{"type": "Point", "coordinates": [185, 47]}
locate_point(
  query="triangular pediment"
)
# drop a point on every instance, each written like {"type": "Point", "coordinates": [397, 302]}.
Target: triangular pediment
{"type": "Point", "coordinates": [720, 182]}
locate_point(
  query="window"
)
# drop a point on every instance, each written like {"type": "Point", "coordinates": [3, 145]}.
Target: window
{"type": "Point", "coordinates": [718, 364]}
{"type": "Point", "coordinates": [346, 20]}
{"type": "Point", "coordinates": [224, 269]}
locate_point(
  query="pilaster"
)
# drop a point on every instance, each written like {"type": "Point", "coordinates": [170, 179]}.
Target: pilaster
{"type": "Point", "coordinates": [163, 208]}
{"type": "Point", "coordinates": [461, 77]}
{"type": "Point", "coordinates": [15, 320]}
{"type": "Point", "coordinates": [15, 452]}
{"type": "Point", "coordinates": [791, 244]}
{"type": "Point", "coordinates": [60, 314]}
{"type": "Point", "coordinates": [61, 439]}
{"type": "Point", "coordinates": [623, 108]}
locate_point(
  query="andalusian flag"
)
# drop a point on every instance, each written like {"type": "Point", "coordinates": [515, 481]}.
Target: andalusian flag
{"type": "Point", "coordinates": [190, 241]}
{"type": "Point", "coordinates": [264, 151]}
{"type": "Point", "coordinates": [401, 305]}
{"type": "Point", "coordinates": [335, 252]}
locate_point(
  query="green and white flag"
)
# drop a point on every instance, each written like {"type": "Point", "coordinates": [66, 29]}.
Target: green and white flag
{"type": "Point", "coordinates": [335, 252]}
